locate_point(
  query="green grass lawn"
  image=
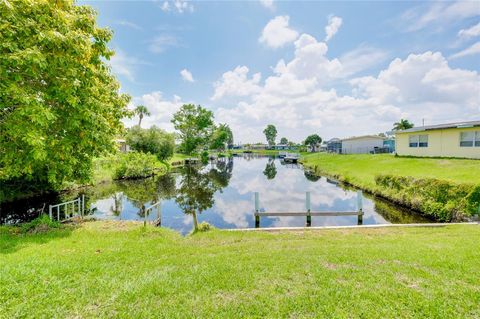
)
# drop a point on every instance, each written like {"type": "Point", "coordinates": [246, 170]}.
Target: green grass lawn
{"type": "Point", "coordinates": [360, 169]}
{"type": "Point", "coordinates": [110, 269]}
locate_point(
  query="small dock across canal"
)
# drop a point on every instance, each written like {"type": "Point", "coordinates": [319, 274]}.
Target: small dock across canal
{"type": "Point", "coordinates": [308, 213]}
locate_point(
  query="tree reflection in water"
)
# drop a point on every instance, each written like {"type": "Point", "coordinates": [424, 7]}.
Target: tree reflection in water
{"type": "Point", "coordinates": [270, 170]}
{"type": "Point", "coordinates": [198, 185]}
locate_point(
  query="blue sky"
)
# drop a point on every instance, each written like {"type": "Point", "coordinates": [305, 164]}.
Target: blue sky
{"type": "Point", "coordinates": [332, 68]}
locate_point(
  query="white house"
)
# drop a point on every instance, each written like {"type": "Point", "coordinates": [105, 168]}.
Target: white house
{"type": "Point", "coordinates": [361, 144]}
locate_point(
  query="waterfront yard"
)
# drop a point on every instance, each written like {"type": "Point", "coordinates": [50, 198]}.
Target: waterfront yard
{"type": "Point", "coordinates": [111, 269]}
{"type": "Point", "coordinates": [361, 169]}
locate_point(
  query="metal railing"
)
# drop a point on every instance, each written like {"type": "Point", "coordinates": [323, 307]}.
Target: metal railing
{"type": "Point", "coordinates": [68, 209]}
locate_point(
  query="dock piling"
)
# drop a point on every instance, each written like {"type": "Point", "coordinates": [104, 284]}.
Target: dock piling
{"type": "Point", "coordinates": [360, 207]}
{"type": "Point", "coordinates": [308, 206]}
{"type": "Point", "coordinates": [257, 208]}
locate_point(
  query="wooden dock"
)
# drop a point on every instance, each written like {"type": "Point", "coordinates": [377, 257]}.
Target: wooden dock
{"type": "Point", "coordinates": [308, 213]}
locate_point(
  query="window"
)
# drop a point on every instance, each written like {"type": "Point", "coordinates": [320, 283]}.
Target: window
{"type": "Point", "coordinates": [418, 140]}
{"type": "Point", "coordinates": [423, 141]}
{"type": "Point", "coordinates": [477, 138]}
{"type": "Point", "coordinates": [468, 139]}
{"type": "Point", "coordinates": [413, 140]}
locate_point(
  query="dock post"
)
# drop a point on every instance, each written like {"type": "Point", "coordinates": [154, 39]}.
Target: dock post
{"type": "Point", "coordinates": [308, 206]}
{"type": "Point", "coordinates": [360, 207]}
{"type": "Point", "coordinates": [50, 212]}
{"type": "Point", "coordinates": [83, 205]}
{"type": "Point", "coordinates": [58, 213]}
{"type": "Point", "coordinates": [257, 208]}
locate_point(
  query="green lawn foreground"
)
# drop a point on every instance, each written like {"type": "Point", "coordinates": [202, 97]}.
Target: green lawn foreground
{"type": "Point", "coordinates": [361, 169]}
{"type": "Point", "coordinates": [119, 269]}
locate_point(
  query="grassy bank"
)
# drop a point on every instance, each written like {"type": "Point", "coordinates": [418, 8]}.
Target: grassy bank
{"type": "Point", "coordinates": [451, 182]}
{"type": "Point", "coordinates": [108, 269]}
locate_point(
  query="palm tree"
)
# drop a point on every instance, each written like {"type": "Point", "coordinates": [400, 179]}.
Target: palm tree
{"type": "Point", "coordinates": [402, 125]}
{"type": "Point", "coordinates": [141, 110]}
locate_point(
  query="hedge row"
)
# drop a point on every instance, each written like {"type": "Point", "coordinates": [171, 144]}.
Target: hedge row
{"type": "Point", "coordinates": [437, 199]}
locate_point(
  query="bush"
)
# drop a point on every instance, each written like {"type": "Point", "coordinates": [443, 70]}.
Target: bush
{"type": "Point", "coordinates": [39, 225]}
{"type": "Point", "coordinates": [138, 165]}
{"type": "Point", "coordinates": [438, 199]}
{"type": "Point", "coordinates": [153, 140]}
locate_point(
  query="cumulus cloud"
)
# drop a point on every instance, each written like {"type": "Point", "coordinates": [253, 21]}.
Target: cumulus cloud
{"type": "Point", "coordinates": [334, 23]}
{"type": "Point", "coordinates": [471, 50]}
{"type": "Point", "coordinates": [268, 4]}
{"type": "Point", "coordinates": [161, 110]}
{"type": "Point", "coordinates": [236, 83]}
{"type": "Point", "coordinates": [299, 96]}
{"type": "Point", "coordinates": [471, 32]}
{"type": "Point", "coordinates": [187, 75]}
{"type": "Point", "coordinates": [179, 6]}
{"type": "Point", "coordinates": [277, 32]}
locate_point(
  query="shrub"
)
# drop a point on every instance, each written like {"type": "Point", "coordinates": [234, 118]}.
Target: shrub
{"type": "Point", "coordinates": [153, 140]}
{"type": "Point", "coordinates": [203, 227]}
{"type": "Point", "coordinates": [438, 199]}
{"type": "Point", "coordinates": [39, 224]}
{"type": "Point", "coordinates": [138, 165]}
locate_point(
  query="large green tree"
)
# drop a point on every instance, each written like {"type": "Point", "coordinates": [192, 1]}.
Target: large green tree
{"type": "Point", "coordinates": [221, 137]}
{"type": "Point", "coordinates": [153, 140]}
{"type": "Point", "coordinates": [270, 134]}
{"type": "Point", "coordinates": [60, 105]}
{"type": "Point", "coordinates": [194, 125]}
{"type": "Point", "coordinates": [313, 140]}
{"type": "Point", "coordinates": [403, 124]}
{"type": "Point", "coordinates": [284, 141]}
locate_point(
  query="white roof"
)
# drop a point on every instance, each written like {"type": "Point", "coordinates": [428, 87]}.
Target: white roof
{"type": "Point", "coordinates": [363, 137]}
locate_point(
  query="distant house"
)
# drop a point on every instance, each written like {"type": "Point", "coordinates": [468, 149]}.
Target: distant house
{"type": "Point", "coordinates": [362, 144]}
{"type": "Point", "coordinates": [334, 145]}
{"type": "Point", "coordinates": [314, 148]}
{"type": "Point", "coordinates": [444, 140]}
{"type": "Point", "coordinates": [258, 146]}
{"type": "Point", "coordinates": [122, 145]}
{"type": "Point", "coordinates": [389, 145]}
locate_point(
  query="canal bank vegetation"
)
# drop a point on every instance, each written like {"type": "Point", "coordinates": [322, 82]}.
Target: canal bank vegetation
{"type": "Point", "coordinates": [442, 189]}
{"type": "Point", "coordinates": [102, 269]}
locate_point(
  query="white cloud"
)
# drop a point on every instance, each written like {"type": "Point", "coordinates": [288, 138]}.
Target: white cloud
{"type": "Point", "coordinates": [179, 6]}
{"type": "Point", "coordinates": [162, 42]}
{"type": "Point", "coordinates": [471, 32]}
{"type": "Point", "coordinates": [161, 110]}
{"type": "Point", "coordinates": [277, 32]}
{"type": "Point", "coordinates": [187, 75]}
{"type": "Point", "coordinates": [471, 50]}
{"type": "Point", "coordinates": [236, 83]}
{"type": "Point", "coordinates": [440, 13]}
{"type": "Point", "coordinates": [124, 65]}
{"type": "Point", "coordinates": [332, 27]}
{"type": "Point", "coordinates": [268, 4]}
{"type": "Point", "coordinates": [299, 97]}
{"type": "Point", "coordinates": [129, 24]}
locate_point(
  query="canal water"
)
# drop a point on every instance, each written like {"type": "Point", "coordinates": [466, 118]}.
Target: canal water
{"type": "Point", "coordinates": [223, 193]}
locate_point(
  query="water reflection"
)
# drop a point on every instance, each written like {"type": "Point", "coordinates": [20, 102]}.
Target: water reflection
{"type": "Point", "coordinates": [221, 193]}
{"type": "Point", "coordinates": [270, 170]}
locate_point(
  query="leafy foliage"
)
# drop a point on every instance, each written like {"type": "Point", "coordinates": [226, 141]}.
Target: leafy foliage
{"type": "Point", "coordinates": [313, 140]}
{"type": "Point", "coordinates": [141, 111]}
{"type": "Point", "coordinates": [195, 126]}
{"type": "Point", "coordinates": [221, 136]}
{"type": "Point", "coordinates": [442, 200]}
{"type": "Point", "coordinates": [153, 140]}
{"type": "Point", "coordinates": [283, 140]}
{"type": "Point", "coordinates": [402, 125]}
{"type": "Point", "coordinates": [60, 105]}
{"type": "Point", "coordinates": [138, 165]}
{"type": "Point", "coordinates": [39, 225]}
{"type": "Point", "coordinates": [270, 134]}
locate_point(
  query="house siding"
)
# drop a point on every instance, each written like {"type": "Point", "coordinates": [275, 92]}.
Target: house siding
{"type": "Point", "coordinates": [361, 145]}
{"type": "Point", "coordinates": [441, 143]}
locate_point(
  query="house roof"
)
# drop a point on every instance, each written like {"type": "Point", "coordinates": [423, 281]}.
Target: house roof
{"type": "Point", "coordinates": [363, 137]}
{"type": "Point", "coordinates": [441, 126]}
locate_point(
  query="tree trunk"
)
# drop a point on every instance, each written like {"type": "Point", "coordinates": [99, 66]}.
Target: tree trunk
{"type": "Point", "coordinates": [140, 120]}
{"type": "Point", "coordinates": [195, 221]}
